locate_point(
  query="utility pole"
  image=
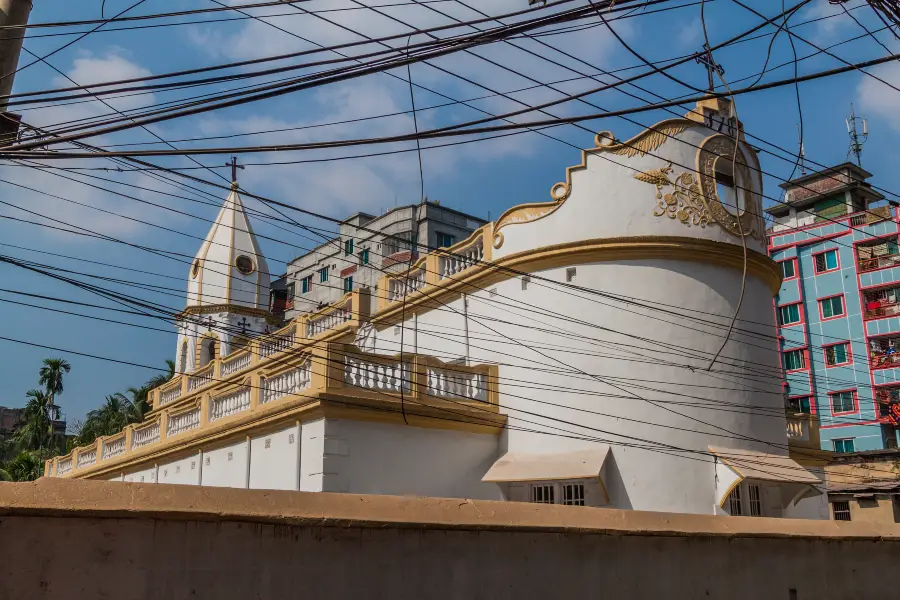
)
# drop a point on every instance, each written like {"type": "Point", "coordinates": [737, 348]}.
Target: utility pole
{"type": "Point", "coordinates": [13, 17]}
{"type": "Point", "coordinates": [856, 139]}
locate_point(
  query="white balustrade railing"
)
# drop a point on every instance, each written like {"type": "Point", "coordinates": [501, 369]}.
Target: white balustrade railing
{"type": "Point", "coordinates": [87, 458]}
{"type": "Point", "coordinates": [63, 466]}
{"type": "Point", "coordinates": [229, 404]}
{"type": "Point", "coordinates": [797, 429]}
{"type": "Point", "coordinates": [201, 378]}
{"type": "Point", "coordinates": [167, 396]}
{"type": "Point", "coordinates": [456, 385]}
{"type": "Point", "coordinates": [400, 287]}
{"type": "Point", "coordinates": [183, 422]}
{"type": "Point", "coordinates": [371, 375]}
{"type": "Point", "coordinates": [233, 364]}
{"type": "Point", "coordinates": [460, 260]}
{"type": "Point", "coordinates": [329, 321]}
{"type": "Point", "coordinates": [145, 435]}
{"type": "Point", "coordinates": [278, 342]}
{"type": "Point", "coordinates": [289, 382]}
{"type": "Point", "coordinates": [114, 447]}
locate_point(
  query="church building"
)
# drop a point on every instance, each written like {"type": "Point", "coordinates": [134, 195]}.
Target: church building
{"type": "Point", "coordinates": [574, 351]}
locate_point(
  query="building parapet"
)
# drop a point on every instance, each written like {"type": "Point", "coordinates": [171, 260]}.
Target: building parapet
{"type": "Point", "coordinates": [313, 373]}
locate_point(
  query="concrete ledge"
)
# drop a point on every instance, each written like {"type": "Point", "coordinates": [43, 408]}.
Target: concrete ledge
{"type": "Point", "coordinates": [80, 498]}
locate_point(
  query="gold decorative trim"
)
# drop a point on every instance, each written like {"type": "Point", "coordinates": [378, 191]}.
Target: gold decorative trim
{"type": "Point", "coordinates": [229, 308]}
{"type": "Point", "coordinates": [643, 143]}
{"type": "Point", "coordinates": [684, 202]}
{"type": "Point", "coordinates": [646, 141]}
{"type": "Point", "coordinates": [748, 222]}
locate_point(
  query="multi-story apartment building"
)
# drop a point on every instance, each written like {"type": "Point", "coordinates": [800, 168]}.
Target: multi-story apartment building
{"type": "Point", "coordinates": [838, 309]}
{"type": "Point", "coordinates": [367, 247]}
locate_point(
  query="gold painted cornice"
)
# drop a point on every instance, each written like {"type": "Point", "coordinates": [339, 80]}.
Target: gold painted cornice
{"type": "Point", "coordinates": [208, 309]}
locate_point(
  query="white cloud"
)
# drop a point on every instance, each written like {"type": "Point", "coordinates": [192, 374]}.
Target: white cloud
{"type": "Point", "coordinates": [877, 100]}
{"type": "Point", "coordinates": [833, 18]}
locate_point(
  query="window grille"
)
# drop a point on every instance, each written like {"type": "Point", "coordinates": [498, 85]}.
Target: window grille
{"type": "Point", "coordinates": [755, 503]}
{"type": "Point", "coordinates": [841, 511]}
{"type": "Point", "coordinates": [734, 501]}
{"type": "Point", "coordinates": [573, 494]}
{"type": "Point", "coordinates": [543, 494]}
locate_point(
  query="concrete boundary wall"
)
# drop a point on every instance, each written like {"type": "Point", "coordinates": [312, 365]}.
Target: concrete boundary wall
{"type": "Point", "coordinates": [91, 539]}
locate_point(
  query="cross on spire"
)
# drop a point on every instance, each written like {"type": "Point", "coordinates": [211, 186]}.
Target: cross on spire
{"type": "Point", "coordinates": [706, 59]}
{"type": "Point", "coordinates": [234, 167]}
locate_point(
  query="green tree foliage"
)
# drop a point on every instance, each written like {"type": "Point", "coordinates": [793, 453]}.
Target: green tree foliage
{"type": "Point", "coordinates": [36, 440]}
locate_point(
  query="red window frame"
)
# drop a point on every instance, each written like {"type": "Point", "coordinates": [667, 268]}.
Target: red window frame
{"type": "Point", "coordinates": [799, 311]}
{"type": "Point", "coordinates": [855, 402]}
{"type": "Point", "coordinates": [805, 352]}
{"type": "Point", "coordinates": [837, 255]}
{"type": "Point", "coordinates": [825, 348]}
{"type": "Point", "coordinates": [796, 274]}
{"type": "Point", "coordinates": [822, 317]}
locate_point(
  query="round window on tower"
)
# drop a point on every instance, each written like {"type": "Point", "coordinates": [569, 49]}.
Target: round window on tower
{"type": "Point", "coordinates": [244, 264]}
{"type": "Point", "coordinates": [195, 270]}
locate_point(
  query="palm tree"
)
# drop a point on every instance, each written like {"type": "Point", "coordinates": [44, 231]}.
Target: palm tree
{"type": "Point", "coordinates": [51, 377]}
{"type": "Point", "coordinates": [158, 380]}
{"type": "Point", "coordinates": [36, 430]}
{"type": "Point", "coordinates": [140, 406]}
{"type": "Point", "coordinates": [109, 419]}
{"type": "Point", "coordinates": [24, 467]}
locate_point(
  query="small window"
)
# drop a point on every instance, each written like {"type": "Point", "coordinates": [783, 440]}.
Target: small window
{"type": "Point", "coordinates": [570, 274]}
{"type": "Point", "coordinates": [832, 307]}
{"type": "Point", "coordinates": [755, 502]}
{"type": "Point", "coordinates": [525, 281]}
{"type": "Point", "coordinates": [444, 240]}
{"type": "Point", "coordinates": [348, 247]}
{"type": "Point", "coordinates": [790, 314]}
{"type": "Point", "coordinates": [543, 494]}
{"type": "Point", "coordinates": [787, 268]}
{"type": "Point", "coordinates": [826, 261]}
{"type": "Point", "coordinates": [573, 494]}
{"type": "Point", "coordinates": [838, 354]}
{"type": "Point", "coordinates": [846, 445]}
{"type": "Point", "coordinates": [800, 405]}
{"type": "Point", "coordinates": [794, 360]}
{"type": "Point", "coordinates": [290, 291]}
{"type": "Point", "coordinates": [348, 284]}
{"type": "Point", "coordinates": [364, 257]}
{"type": "Point", "coordinates": [244, 264]}
{"type": "Point", "coordinates": [323, 274]}
{"type": "Point", "coordinates": [841, 510]}
{"type": "Point", "coordinates": [306, 284]}
{"type": "Point", "coordinates": [842, 402]}
{"type": "Point", "coordinates": [195, 270]}
{"type": "Point", "coordinates": [734, 501]}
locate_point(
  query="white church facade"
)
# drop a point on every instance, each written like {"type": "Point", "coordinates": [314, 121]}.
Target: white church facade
{"type": "Point", "coordinates": [560, 354]}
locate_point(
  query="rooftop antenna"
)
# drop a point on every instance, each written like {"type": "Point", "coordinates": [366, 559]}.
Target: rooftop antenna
{"type": "Point", "coordinates": [802, 156]}
{"type": "Point", "coordinates": [856, 139]}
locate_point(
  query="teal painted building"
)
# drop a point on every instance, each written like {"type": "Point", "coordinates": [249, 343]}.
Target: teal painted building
{"type": "Point", "coordinates": [838, 309]}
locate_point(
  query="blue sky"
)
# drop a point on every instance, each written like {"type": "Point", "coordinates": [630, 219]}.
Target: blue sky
{"type": "Point", "coordinates": [483, 178]}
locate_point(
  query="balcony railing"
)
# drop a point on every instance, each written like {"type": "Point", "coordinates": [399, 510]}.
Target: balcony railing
{"type": "Point", "coordinates": [235, 362]}
{"type": "Point", "coordinates": [200, 378]}
{"type": "Point", "coordinates": [229, 404]}
{"type": "Point", "coordinates": [279, 341]}
{"type": "Point", "coordinates": [400, 287]}
{"type": "Point", "coordinates": [114, 446]}
{"type": "Point", "coordinates": [183, 422]}
{"type": "Point", "coordinates": [803, 430]}
{"type": "Point", "coordinates": [146, 435]}
{"type": "Point", "coordinates": [461, 256]}
{"type": "Point", "coordinates": [884, 361]}
{"type": "Point", "coordinates": [170, 392]}
{"type": "Point", "coordinates": [879, 262]}
{"type": "Point", "coordinates": [330, 318]}
{"type": "Point", "coordinates": [323, 372]}
{"type": "Point", "coordinates": [87, 457]}
{"type": "Point", "coordinates": [882, 310]}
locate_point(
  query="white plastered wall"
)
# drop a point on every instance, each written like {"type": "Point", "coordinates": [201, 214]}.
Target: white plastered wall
{"type": "Point", "coordinates": [364, 457]}
{"type": "Point", "coordinates": [184, 471]}
{"type": "Point", "coordinates": [274, 458]}
{"type": "Point", "coordinates": [226, 466]}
